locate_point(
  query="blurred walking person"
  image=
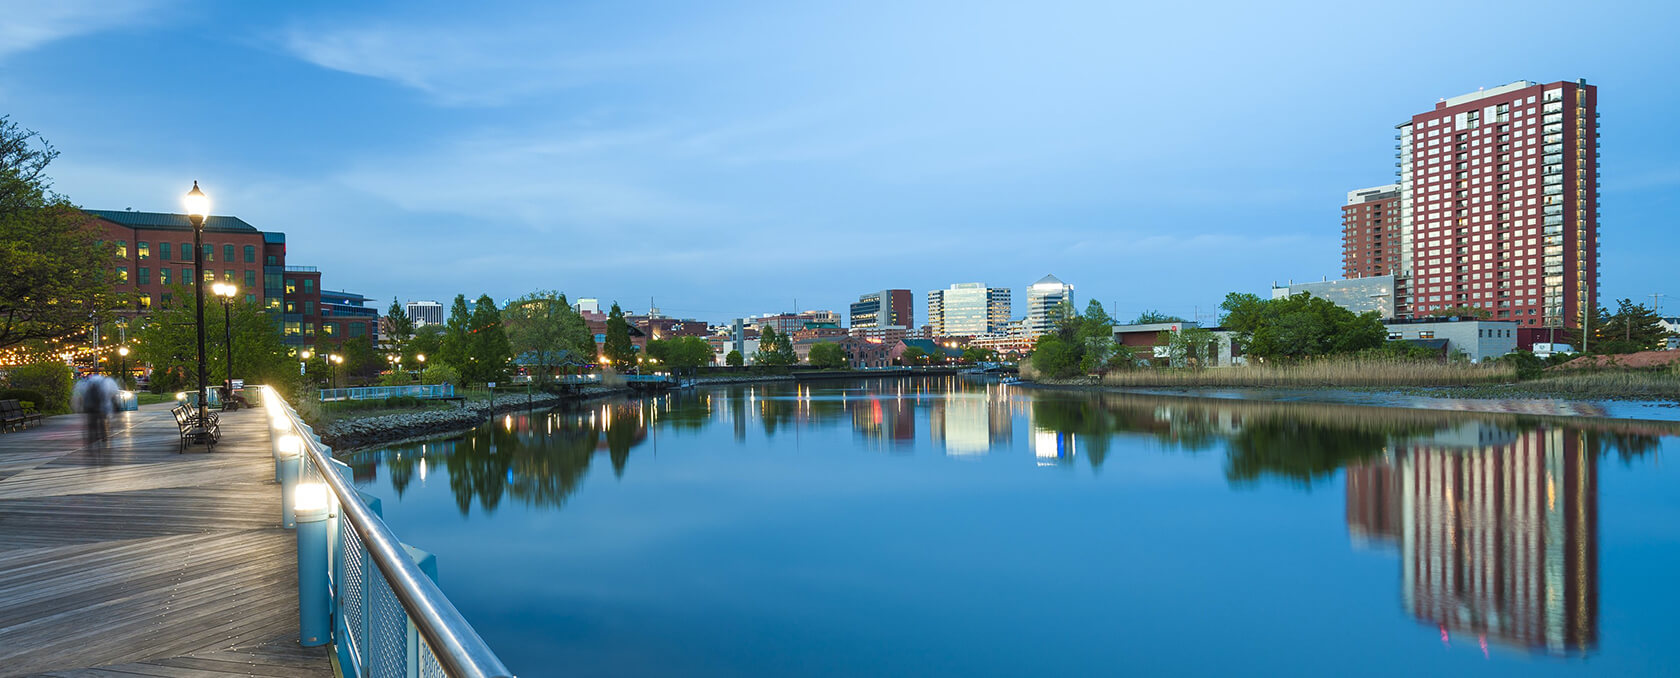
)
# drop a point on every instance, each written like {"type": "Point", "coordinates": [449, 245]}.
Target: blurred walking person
{"type": "Point", "coordinates": [95, 397]}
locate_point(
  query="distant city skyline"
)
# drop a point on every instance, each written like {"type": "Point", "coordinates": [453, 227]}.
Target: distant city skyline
{"type": "Point", "coordinates": [700, 156]}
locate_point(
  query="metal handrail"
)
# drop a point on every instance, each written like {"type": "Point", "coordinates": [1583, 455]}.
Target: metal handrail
{"type": "Point", "coordinates": [457, 647]}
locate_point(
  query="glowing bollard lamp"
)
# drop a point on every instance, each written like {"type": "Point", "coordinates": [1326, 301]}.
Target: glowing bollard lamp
{"type": "Point", "coordinates": [309, 503]}
{"type": "Point", "coordinates": [290, 446]}
{"type": "Point", "coordinates": [282, 427]}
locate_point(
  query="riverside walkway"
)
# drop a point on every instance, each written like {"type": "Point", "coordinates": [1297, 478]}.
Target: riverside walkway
{"type": "Point", "coordinates": [135, 560]}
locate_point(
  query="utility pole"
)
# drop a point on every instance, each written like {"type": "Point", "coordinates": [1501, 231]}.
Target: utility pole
{"type": "Point", "coordinates": [1656, 302]}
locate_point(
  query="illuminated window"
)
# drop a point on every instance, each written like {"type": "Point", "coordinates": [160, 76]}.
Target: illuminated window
{"type": "Point", "coordinates": [122, 274]}
{"type": "Point", "coordinates": [209, 275]}
{"type": "Point", "coordinates": [122, 248]}
{"type": "Point", "coordinates": [143, 250]}
{"type": "Point", "coordinates": [329, 329]}
{"type": "Point", "coordinates": [291, 307]}
{"type": "Point", "coordinates": [145, 301]}
{"type": "Point", "coordinates": [291, 286]}
{"type": "Point", "coordinates": [227, 276]}
{"type": "Point", "coordinates": [293, 329]}
{"type": "Point", "coordinates": [163, 276]}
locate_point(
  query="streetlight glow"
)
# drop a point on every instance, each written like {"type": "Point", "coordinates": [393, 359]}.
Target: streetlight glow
{"type": "Point", "coordinates": [123, 351]}
{"type": "Point", "coordinates": [197, 204]}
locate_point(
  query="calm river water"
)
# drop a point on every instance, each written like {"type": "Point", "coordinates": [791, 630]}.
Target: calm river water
{"type": "Point", "coordinates": [945, 527]}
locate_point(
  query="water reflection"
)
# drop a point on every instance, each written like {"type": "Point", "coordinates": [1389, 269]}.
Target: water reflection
{"type": "Point", "coordinates": [1497, 537]}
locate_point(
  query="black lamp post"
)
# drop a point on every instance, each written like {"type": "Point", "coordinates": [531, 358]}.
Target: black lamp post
{"type": "Point", "coordinates": [198, 208]}
{"type": "Point", "coordinates": [226, 292]}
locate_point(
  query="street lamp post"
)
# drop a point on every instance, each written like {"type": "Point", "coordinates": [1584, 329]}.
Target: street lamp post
{"type": "Point", "coordinates": [226, 291]}
{"type": "Point", "coordinates": [335, 360]}
{"type": "Point", "coordinates": [198, 208]}
{"type": "Point", "coordinates": [123, 352]}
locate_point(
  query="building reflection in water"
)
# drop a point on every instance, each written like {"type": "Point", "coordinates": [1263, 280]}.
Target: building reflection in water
{"type": "Point", "coordinates": [1497, 537]}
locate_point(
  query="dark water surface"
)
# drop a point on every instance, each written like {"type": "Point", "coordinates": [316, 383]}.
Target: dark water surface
{"type": "Point", "coordinates": [954, 528]}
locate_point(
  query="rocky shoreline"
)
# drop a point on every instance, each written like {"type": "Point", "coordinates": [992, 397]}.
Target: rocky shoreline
{"type": "Point", "coordinates": [353, 434]}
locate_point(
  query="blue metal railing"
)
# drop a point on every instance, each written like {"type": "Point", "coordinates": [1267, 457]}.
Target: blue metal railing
{"type": "Point", "coordinates": [382, 392]}
{"type": "Point", "coordinates": [388, 617]}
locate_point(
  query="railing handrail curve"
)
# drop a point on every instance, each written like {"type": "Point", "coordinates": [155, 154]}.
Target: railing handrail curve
{"type": "Point", "coordinates": [457, 647]}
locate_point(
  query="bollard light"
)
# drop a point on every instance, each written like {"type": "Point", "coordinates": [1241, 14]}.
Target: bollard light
{"type": "Point", "coordinates": [309, 501]}
{"type": "Point", "coordinates": [287, 447]}
{"type": "Point", "coordinates": [290, 445]}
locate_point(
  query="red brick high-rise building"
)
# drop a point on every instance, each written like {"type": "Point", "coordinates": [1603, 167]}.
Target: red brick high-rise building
{"type": "Point", "coordinates": [1499, 204]}
{"type": "Point", "coordinates": [1371, 232]}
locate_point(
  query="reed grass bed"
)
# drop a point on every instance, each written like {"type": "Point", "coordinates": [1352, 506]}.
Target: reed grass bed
{"type": "Point", "coordinates": [1350, 373]}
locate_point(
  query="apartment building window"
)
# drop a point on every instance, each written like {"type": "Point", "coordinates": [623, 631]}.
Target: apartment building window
{"type": "Point", "coordinates": [250, 279]}
{"type": "Point", "coordinates": [209, 252]}
{"type": "Point", "coordinates": [308, 285]}
{"type": "Point", "coordinates": [165, 297]}
{"type": "Point", "coordinates": [209, 275]}
{"type": "Point", "coordinates": [163, 276]}
{"type": "Point", "coordinates": [145, 301]}
{"type": "Point", "coordinates": [329, 329]}
{"type": "Point", "coordinates": [309, 308]}
{"type": "Point", "coordinates": [122, 248]}
{"type": "Point", "coordinates": [186, 273]}
{"type": "Point", "coordinates": [291, 307]}
{"type": "Point", "coordinates": [122, 274]}
{"type": "Point", "coordinates": [227, 253]}
{"type": "Point", "coordinates": [291, 286]}
{"type": "Point", "coordinates": [143, 275]}
{"type": "Point", "coordinates": [273, 260]}
{"type": "Point", "coordinates": [186, 251]}
{"type": "Point", "coordinates": [250, 254]}
{"type": "Point", "coordinates": [163, 251]}
{"type": "Point", "coordinates": [1426, 334]}
{"type": "Point", "coordinates": [250, 298]}
{"type": "Point", "coordinates": [358, 330]}
{"type": "Point", "coordinates": [142, 250]}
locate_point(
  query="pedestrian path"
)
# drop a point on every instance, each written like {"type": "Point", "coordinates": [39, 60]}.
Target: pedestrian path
{"type": "Point", "coordinates": [135, 559]}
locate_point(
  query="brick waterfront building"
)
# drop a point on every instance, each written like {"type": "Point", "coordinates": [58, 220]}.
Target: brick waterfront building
{"type": "Point", "coordinates": [1371, 232]}
{"type": "Point", "coordinates": [1499, 204]}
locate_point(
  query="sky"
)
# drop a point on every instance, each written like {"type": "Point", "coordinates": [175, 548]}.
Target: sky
{"type": "Point", "coordinates": [735, 158]}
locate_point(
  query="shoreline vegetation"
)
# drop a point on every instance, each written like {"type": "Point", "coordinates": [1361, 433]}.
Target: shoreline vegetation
{"type": "Point", "coordinates": [1447, 380]}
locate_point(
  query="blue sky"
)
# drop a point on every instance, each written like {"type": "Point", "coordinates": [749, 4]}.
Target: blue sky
{"type": "Point", "coordinates": [727, 158]}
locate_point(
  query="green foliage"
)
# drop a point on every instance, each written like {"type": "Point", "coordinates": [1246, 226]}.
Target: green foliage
{"type": "Point", "coordinates": [1299, 327]}
{"type": "Point", "coordinates": [1192, 347]}
{"type": "Point", "coordinates": [681, 353]}
{"type": "Point", "coordinates": [1055, 357]}
{"type": "Point", "coordinates": [167, 339]}
{"type": "Point", "coordinates": [1462, 312]}
{"type": "Point", "coordinates": [51, 382]}
{"type": "Point", "coordinates": [1402, 351]}
{"type": "Point", "coordinates": [427, 341]}
{"type": "Point", "coordinates": [440, 373]}
{"type": "Point", "coordinates": [361, 365]}
{"type": "Point", "coordinates": [1632, 328]}
{"type": "Point", "coordinates": [488, 350]}
{"type": "Point", "coordinates": [454, 347]}
{"type": "Point", "coordinates": [399, 327]}
{"type": "Point", "coordinates": [1529, 366]}
{"type": "Point", "coordinates": [774, 349]}
{"type": "Point", "coordinates": [56, 273]}
{"type": "Point", "coordinates": [617, 347]}
{"type": "Point", "coordinates": [543, 328]}
{"type": "Point", "coordinates": [914, 356]}
{"type": "Point", "coordinates": [1152, 317]}
{"type": "Point", "coordinates": [828, 355]}
{"type": "Point", "coordinates": [734, 359]}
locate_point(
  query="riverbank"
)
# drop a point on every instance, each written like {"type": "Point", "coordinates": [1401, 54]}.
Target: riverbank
{"type": "Point", "coordinates": [1488, 399]}
{"type": "Point", "coordinates": [348, 435]}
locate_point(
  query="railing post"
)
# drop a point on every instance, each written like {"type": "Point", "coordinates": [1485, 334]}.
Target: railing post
{"type": "Point", "coordinates": [290, 445]}
{"type": "Point", "coordinates": [314, 598]}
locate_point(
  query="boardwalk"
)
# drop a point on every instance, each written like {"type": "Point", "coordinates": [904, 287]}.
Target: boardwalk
{"type": "Point", "coordinates": [136, 560]}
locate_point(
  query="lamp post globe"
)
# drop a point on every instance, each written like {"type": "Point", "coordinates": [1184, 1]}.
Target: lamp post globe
{"type": "Point", "coordinates": [123, 352]}
{"type": "Point", "coordinates": [227, 291]}
{"type": "Point", "coordinates": [198, 209]}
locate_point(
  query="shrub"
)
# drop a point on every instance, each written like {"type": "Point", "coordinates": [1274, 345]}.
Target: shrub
{"type": "Point", "coordinates": [438, 373]}
{"type": "Point", "coordinates": [1528, 365]}
{"type": "Point", "coordinates": [51, 381]}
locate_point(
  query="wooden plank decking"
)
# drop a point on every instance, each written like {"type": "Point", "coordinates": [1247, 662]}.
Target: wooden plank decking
{"type": "Point", "coordinates": [136, 560]}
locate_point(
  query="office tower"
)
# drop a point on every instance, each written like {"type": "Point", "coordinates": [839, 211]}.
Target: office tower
{"type": "Point", "coordinates": [1371, 232]}
{"type": "Point", "coordinates": [423, 313]}
{"type": "Point", "coordinates": [1044, 299]}
{"type": "Point", "coordinates": [886, 308]}
{"type": "Point", "coordinates": [968, 310]}
{"type": "Point", "coordinates": [1499, 204]}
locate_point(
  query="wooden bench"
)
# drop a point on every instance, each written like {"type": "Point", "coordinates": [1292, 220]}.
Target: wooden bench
{"type": "Point", "coordinates": [192, 430]}
{"type": "Point", "coordinates": [13, 415]}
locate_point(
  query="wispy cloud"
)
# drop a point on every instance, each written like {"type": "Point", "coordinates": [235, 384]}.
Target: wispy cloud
{"type": "Point", "coordinates": [460, 65]}
{"type": "Point", "coordinates": [27, 24]}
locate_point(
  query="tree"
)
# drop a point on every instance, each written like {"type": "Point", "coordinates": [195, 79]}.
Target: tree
{"type": "Point", "coordinates": [972, 354]}
{"type": "Point", "coordinates": [453, 349]}
{"type": "Point", "coordinates": [734, 359]}
{"type": "Point", "coordinates": [617, 347]}
{"type": "Point", "coordinates": [488, 351]}
{"type": "Point", "coordinates": [167, 340]}
{"type": "Point", "coordinates": [681, 353]}
{"type": "Point", "coordinates": [1298, 327]}
{"type": "Point", "coordinates": [774, 349]}
{"type": "Point", "coordinates": [1153, 317]}
{"type": "Point", "coordinates": [1191, 347]}
{"type": "Point", "coordinates": [541, 330]}
{"type": "Point", "coordinates": [55, 275]}
{"type": "Point", "coordinates": [828, 355]}
{"type": "Point", "coordinates": [1632, 328]}
{"type": "Point", "coordinates": [427, 341]}
{"type": "Point", "coordinates": [361, 363]}
{"type": "Point", "coordinates": [913, 356]}
{"type": "Point", "coordinates": [399, 328]}
{"type": "Point", "coordinates": [1055, 357]}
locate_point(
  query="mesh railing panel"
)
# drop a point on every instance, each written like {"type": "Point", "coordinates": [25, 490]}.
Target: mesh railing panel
{"type": "Point", "coordinates": [387, 632]}
{"type": "Point", "coordinates": [429, 666]}
{"type": "Point", "coordinates": [350, 594]}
